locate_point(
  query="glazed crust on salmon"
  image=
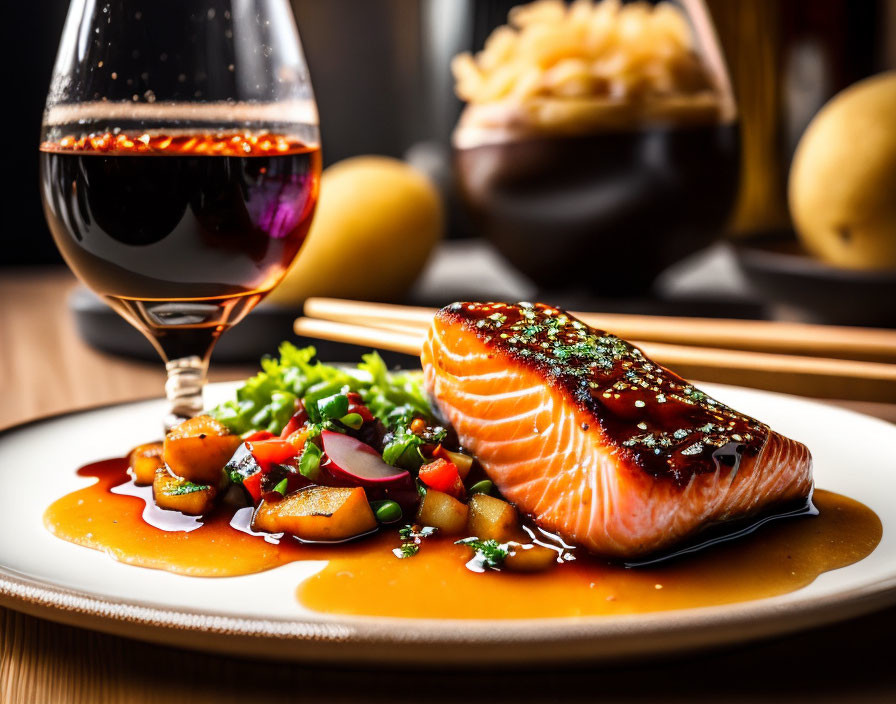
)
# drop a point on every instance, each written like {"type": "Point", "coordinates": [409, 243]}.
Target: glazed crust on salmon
{"type": "Point", "coordinates": [595, 442]}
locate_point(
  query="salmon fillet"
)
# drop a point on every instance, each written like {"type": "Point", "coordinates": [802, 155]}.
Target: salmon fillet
{"type": "Point", "coordinates": [592, 440]}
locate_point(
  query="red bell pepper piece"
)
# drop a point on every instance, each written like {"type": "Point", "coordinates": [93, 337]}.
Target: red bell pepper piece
{"type": "Point", "coordinates": [442, 475]}
{"type": "Point", "coordinates": [356, 405]}
{"type": "Point", "coordinates": [299, 418]}
{"type": "Point", "coordinates": [271, 452]}
{"type": "Point", "coordinates": [252, 484]}
{"type": "Point", "coordinates": [260, 435]}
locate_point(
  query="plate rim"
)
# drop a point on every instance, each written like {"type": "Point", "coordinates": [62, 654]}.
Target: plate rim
{"type": "Point", "coordinates": [372, 639]}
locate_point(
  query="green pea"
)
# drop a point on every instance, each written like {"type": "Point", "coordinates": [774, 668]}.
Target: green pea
{"type": "Point", "coordinates": [352, 420]}
{"type": "Point", "coordinates": [386, 511]}
{"type": "Point", "coordinates": [483, 487]}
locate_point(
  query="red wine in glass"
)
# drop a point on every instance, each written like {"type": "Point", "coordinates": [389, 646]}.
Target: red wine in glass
{"type": "Point", "coordinates": [184, 205]}
{"type": "Point", "coordinates": [181, 234]}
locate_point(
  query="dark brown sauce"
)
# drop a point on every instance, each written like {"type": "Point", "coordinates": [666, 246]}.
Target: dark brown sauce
{"type": "Point", "coordinates": [656, 420]}
{"type": "Point", "coordinates": [365, 578]}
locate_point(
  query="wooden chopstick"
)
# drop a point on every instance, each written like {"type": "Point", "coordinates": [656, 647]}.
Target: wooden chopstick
{"type": "Point", "coordinates": [360, 335]}
{"type": "Point", "coordinates": [808, 376]}
{"type": "Point", "coordinates": [841, 342]}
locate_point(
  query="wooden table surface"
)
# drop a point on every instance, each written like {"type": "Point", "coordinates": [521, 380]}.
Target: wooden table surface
{"type": "Point", "coordinates": [45, 368]}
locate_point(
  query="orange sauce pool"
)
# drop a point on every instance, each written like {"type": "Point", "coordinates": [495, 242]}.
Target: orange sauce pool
{"type": "Point", "coordinates": [365, 578]}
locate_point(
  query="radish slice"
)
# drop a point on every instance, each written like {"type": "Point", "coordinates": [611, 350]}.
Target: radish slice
{"type": "Point", "coordinates": [358, 462]}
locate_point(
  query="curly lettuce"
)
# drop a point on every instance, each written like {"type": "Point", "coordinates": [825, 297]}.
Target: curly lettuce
{"type": "Point", "coordinates": [267, 400]}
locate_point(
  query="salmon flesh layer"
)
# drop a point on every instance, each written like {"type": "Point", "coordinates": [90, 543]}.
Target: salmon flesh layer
{"type": "Point", "coordinates": [595, 442]}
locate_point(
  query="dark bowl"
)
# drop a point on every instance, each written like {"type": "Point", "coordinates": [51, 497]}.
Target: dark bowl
{"type": "Point", "coordinates": [605, 212]}
{"type": "Point", "coordinates": [782, 274]}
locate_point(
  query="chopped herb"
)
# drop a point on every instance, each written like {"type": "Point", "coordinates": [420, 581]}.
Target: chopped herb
{"type": "Point", "coordinates": [415, 532]}
{"type": "Point", "coordinates": [184, 487]}
{"type": "Point", "coordinates": [402, 444]}
{"type": "Point", "coordinates": [281, 486]}
{"type": "Point", "coordinates": [406, 550]}
{"type": "Point", "coordinates": [412, 537]}
{"type": "Point", "coordinates": [488, 554]}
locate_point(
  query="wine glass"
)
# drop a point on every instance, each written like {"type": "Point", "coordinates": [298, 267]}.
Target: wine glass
{"type": "Point", "coordinates": [180, 165]}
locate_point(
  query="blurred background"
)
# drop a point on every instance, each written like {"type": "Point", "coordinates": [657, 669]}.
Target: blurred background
{"type": "Point", "coordinates": [381, 72]}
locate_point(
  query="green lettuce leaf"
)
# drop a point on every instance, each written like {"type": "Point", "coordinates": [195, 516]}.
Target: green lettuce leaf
{"type": "Point", "coordinates": [267, 400]}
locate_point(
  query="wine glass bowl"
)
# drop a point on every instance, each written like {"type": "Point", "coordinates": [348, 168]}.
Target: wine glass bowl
{"type": "Point", "coordinates": [180, 165]}
{"type": "Point", "coordinates": [599, 142]}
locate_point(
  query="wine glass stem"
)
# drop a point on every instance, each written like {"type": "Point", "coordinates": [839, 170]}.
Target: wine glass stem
{"type": "Point", "coordinates": [186, 377]}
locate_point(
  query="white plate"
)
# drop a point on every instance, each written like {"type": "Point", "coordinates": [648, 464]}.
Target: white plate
{"type": "Point", "coordinates": [48, 577]}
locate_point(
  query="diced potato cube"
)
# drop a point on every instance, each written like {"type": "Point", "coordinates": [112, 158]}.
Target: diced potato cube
{"type": "Point", "coordinates": [530, 558]}
{"type": "Point", "coordinates": [320, 513]}
{"type": "Point", "coordinates": [443, 511]}
{"type": "Point", "coordinates": [198, 449]}
{"type": "Point", "coordinates": [460, 460]}
{"type": "Point", "coordinates": [176, 494]}
{"type": "Point", "coordinates": [493, 519]}
{"type": "Point", "coordinates": [143, 462]}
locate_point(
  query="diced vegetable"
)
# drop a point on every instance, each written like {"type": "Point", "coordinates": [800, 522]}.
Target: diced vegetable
{"type": "Point", "coordinates": [258, 436]}
{"type": "Point", "coordinates": [198, 449]}
{"type": "Point", "coordinates": [299, 418]}
{"type": "Point", "coordinates": [483, 487]}
{"type": "Point", "coordinates": [442, 511]}
{"type": "Point", "coordinates": [403, 450]}
{"type": "Point", "coordinates": [352, 420]}
{"type": "Point", "coordinates": [403, 446]}
{"type": "Point", "coordinates": [442, 475]}
{"type": "Point", "coordinates": [386, 511]}
{"type": "Point", "coordinates": [356, 405]}
{"type": "Point", "coordinates": [530, 558]}
{"type": "Point", "coordinates": [318, 513]}
{"type": "Point", "coordinates": [493, 519]}
{"type": "Point", "coordinates": [252, 485]}
{"type": "Point", "coordinates": [144, 460]}
{"type": "Point", "coordinates": [309, 463]}
{"type": "Point", "coordinates": [358, 462]}
{"type": "Point", "coordinates": [263, 468]}
{"type": "Point", "coordinates": [333, 407]}
{"type": "Point", "coordinates": [244, 469]}
{"type": "Point", "coordinates": [280, 473]}
{"type": "Point", "coordinates": [176, 494]}
{"type": "Point", "coordinates": [463, 462]}
{"type": "Point", "coordinates": [298, 439]}
{"type": "Point", "coordinates": [270, 452]}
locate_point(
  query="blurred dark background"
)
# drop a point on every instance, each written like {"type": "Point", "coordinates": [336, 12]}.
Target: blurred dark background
{"type": "Point", "coordinates": [387, 61]}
